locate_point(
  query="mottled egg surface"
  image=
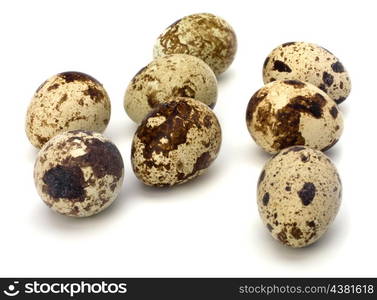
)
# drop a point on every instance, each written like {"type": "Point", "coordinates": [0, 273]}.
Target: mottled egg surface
{"type": "Point", "coordinates": [67, 101]}
{"type": "Point", "coordinates": [78, 173]}
{"type": "Point", "coordinates": [309, 63]}
{"type": "Point", "coordinates": [299, 194]}
{"type": "Point", "coordinates": [176, 75]}
{"type": "Point", "coordinates": [205, 36]}
{"type": "Point", "coordinates": [176, 142]}
{"type": "Point", "coordinates": [291, 112]}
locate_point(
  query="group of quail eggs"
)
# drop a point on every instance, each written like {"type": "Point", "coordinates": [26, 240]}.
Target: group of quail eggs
{"type": "Point", "coordinates": [78, 172]}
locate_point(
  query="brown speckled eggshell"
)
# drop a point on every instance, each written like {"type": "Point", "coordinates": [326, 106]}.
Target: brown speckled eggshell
{"type": "Point", "coordinates": [67, 101]}
{"type": "Point", "coordinates": [176, 142]}
{"type": "Point", "coordinates": [78, 173]}
{"type": "Point", "coordinates": [205, 36]}
{"type": "Point", "coordinates": [176, 75]}
{"type": "Point", "coordinates": [309, 63]}
{"type": "Point", "coordinates": [299, 194]}
{"type": "Point", "coordinates": [291, 112]}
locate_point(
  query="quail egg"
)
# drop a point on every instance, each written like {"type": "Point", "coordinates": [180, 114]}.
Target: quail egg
{"type": "Point", "coordinates": [78, 173]}
{"type": "Point", "coordinates": [67, 101]}
{"type": "Point", "coordinates": [202, 35]}
{"type": "Point", "coordinates": [291, 112]}
{"type": "Point", "coordinates": [299, 194]}
{"type": "Point", "coordinates": [309, 63]}
{"type": "Point", "coordinates": [176, 142]}
{"type": "Point", "coordinates": [166, 77]}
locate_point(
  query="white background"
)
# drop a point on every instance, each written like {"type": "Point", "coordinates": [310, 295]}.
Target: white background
{"type": "Point", "coordinates": [210, 226]}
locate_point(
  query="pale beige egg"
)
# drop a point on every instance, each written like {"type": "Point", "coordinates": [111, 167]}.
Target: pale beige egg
{"type": "Point", "coordinates": [176, 75]}
{"type": "Point", "coordinates": [291, 112]}
{"type": "Point", "coordinates": [205, 36]}
{"type": "Point", "coordinates": [67, 101]}
{"type": "Point", "coordinates": [309, 63]}
{"type": "Point", "coordinates": [299, 195]}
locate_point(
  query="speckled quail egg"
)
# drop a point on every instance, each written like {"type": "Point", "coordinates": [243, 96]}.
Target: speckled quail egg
{"type": "Point", "coordinates": [291, 112]}
{"type": "Point", "coordinates": [299, 194]}
{"type": "Point", "coordinates": [166, 77]}
{"type": "Point", "coordinates": [78, 173]}
{"type": "Point", "coordinates": [67, 101]}
{"type": "Point", "coordinates": [202, 35]}
{"type": "Point", "coordinates": [176, 142]}
{"type": "Point", "coordinates": [309, 63]}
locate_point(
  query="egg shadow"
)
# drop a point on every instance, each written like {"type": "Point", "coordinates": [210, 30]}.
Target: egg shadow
{"type": "Point", "coordinates": [121, 131]}
{"type": "Point", "coordinates": [226, 77]}
{"type": "Point", "coordinates": [335, 153]}
{"type": "Point", "coordinates": [254, 154]}
{"type": "Point", "coordinates": [32, 153]}
{"type": "Point", "coordinates": [49, 219]}
{"type": "Point", "coordinates": [343, 107]}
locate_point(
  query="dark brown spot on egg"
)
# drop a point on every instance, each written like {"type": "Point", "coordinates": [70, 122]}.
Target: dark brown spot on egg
{"type": "Point", "coordinates": [202, 162]}
{"type": "Point", "coordinates": [307, 193]}
{"type": "Point", "coordinates": [281, 66]}
{"type": "Point", "coordinates": [95, 94]}
{"type": "Point", "coordinates": [41, 140]}
{"type": "Point", "coordinates": [282, 236]}
{"type": "Point", "coordinates": [304, 158]}
{"type": "Point", "coordinates": [322, 87]}
{"type": "Point", "coordinates": [77, 76]}
{"type": "Point", "coordinates": [65, 182]}
{"type": "Point", "coordinates": [207, 121]}
{"type": "Point", "coordinates": [184, 91]}
{"type": "Point", "coordinates": [265, 199]}
{"type": "Point", "coordinates": [288, 188]}
{"type": "Point", "coordinates": [61, 101]}
{"type": "Point", "coordinates": [334, 112]}
{"type": "Point", "coordinates": [53, 87]}
{"type": "Point", "coordinates": [309, 104]}
{"type": "Point", "coordinates": [310, 224]}
{"type": "Point", "coordinates": [254, 102]}
{"type": "Point", "coordinates": [340, 100]}
{"type": "Point", "coordinates": [103, 157]}
{"type": "Point", "coordinates": [269, 227]}
{"type": "Point", "coordinates": [337, 67]}
{"type": "Point", "coordinates": [296, 232]}
{"type": "Point", "coordinates": [295, 83]}
{"type": "Point", "coordinates": [152, 99]}
{"type": "Point", "coordinates": [327, 78]}
{"type": "Point", "coordinates": [288, 44]}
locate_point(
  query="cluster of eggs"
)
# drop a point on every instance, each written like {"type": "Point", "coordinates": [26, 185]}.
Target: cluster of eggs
{"type": "Point", "coordinates": [78, 172]}
{"type": "Point", "coordinates": [295, 116]}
